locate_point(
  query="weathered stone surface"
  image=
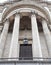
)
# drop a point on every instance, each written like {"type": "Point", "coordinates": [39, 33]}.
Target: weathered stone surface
{"type": "Point", "coordinates": [47, 36]}
{"type": "Point", "coordinates": [14, 47]}
{"type": "Point", "coordinates": [36, 47]}
{"type": "Point", "coordinates": [3, 37]}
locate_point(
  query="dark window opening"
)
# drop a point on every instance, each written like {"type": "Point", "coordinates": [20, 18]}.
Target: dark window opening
{"type": "Point", "coordinates": [25, 52]}
{"type": "Point", "coordinates": [25, 23]}
{"type": "Point", "coordinates": [11, 26]}
{"type": "Point", "coordinates": [40, 29]}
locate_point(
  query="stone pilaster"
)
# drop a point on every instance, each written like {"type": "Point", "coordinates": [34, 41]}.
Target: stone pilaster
{"type": "Point", "coordinates": [36, 47]}
{"type": "Point", "coordinates": [47, 36]}
{"type": "Point", "coordinates": [14, 47]}
{"type": "Point", "coordinates": [3, 37]}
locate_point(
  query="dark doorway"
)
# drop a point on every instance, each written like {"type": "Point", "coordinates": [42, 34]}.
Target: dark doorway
{"type": "Point", "coordinates": [25, 52]}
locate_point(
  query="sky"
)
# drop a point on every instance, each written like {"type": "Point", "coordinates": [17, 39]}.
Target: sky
{"type": "Point", "coordinates": [49, 0]}
{"type": "Point", "coordinates": [1, 1]}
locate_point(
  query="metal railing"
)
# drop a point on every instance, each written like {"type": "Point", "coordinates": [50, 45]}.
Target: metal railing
{"type": "Point", "coordinates": [25, 61]}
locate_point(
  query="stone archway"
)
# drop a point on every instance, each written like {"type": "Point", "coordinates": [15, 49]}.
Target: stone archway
{"type": "Point", "coordinates": [24, 6]}
{"type": "Point", "coordinates": [21, 9]}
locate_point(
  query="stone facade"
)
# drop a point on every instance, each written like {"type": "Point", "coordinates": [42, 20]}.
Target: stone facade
{"type": "Point", "coordinates": [25, 19]}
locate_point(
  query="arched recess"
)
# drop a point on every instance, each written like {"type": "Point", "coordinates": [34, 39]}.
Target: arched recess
{"type": "Point", "coordinates": [21, 6]}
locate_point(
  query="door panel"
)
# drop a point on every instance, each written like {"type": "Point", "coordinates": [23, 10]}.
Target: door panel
{"type": "Point", "coordinates": [25, 51]}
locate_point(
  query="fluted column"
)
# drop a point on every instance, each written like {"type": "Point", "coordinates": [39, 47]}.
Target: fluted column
{"type": "Point", "coordinates": [14, 47]}
{"type": "Point", "coordinates": [3, 37]}
{"type": "Point", "coordinates": [36, 47]}
{"type": "Point", "coordinates": [47, 36]}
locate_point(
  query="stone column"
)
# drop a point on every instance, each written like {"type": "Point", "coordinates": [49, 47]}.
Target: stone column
{"type": "Point", "coordinates": [14, 47]}
{"type": "Point", "coordinates": [47, 36]}
{"type": "Point", "coordinates": [3, 37]}
{"type": "Point", "coordinates": [36, 47]}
